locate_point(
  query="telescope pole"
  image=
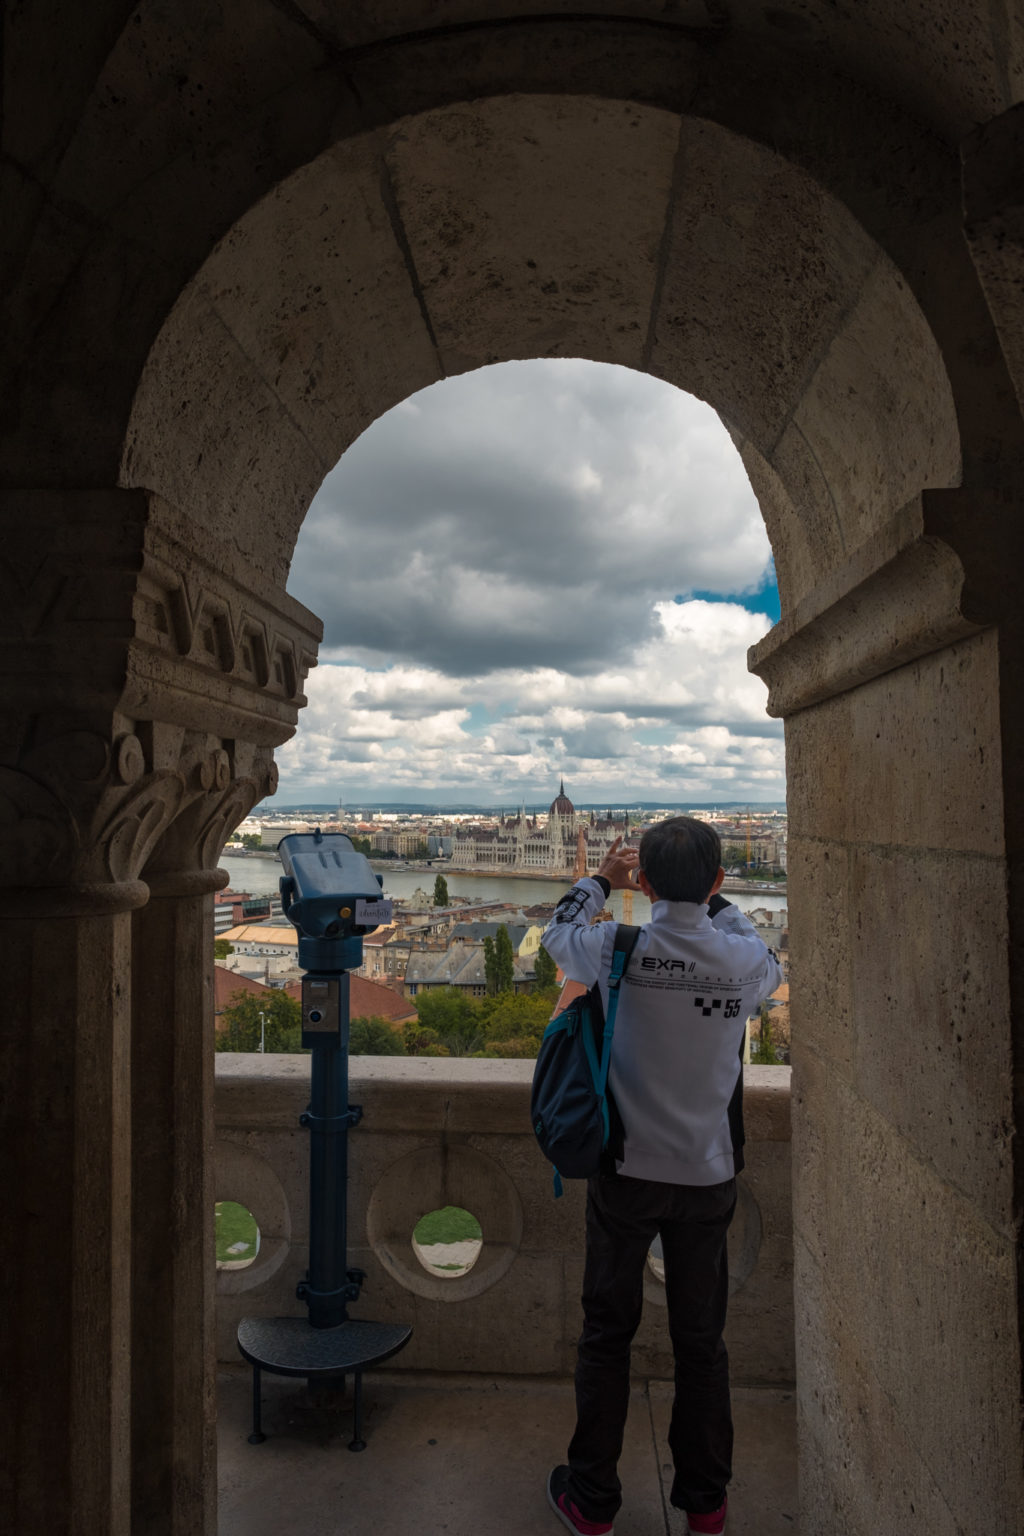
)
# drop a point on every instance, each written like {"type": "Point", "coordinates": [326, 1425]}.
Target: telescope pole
{"type": "Point", "coordinates": [329, 1284]}
{"type": "Point", "coordinates": [328, 1287]}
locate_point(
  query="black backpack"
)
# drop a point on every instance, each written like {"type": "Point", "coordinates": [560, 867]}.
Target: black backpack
{"type": "Point", "coordinates": [574, 1116]}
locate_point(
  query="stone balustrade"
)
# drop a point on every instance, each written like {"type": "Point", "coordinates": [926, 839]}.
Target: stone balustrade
{"type": "Point", "coordinates": [457, 1132]}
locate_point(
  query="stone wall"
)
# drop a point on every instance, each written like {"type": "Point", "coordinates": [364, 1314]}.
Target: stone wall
{"type": "Point", "coordinates": [438, 1133]}
{"type": "Point", "coordinates": [902, 1107]}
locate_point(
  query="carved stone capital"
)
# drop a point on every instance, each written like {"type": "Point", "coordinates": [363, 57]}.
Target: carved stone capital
{"type": "Point", "coordinates": [154, 803]}
{"type": "Point", "coordinates": [149, 674]}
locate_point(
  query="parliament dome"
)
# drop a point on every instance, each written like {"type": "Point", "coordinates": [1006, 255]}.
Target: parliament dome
{"type": "Point", "coordinates": [561, 805]}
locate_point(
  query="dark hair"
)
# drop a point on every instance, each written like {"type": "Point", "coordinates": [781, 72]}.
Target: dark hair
{"type": "Point", "coordinates": [681, 858]}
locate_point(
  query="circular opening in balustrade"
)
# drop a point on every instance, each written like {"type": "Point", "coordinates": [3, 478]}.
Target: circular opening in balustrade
{"type": "Point", "coordinates": [744, 1245]}
{"type": "Point", "coordinates": [436, 1179]}
{"type": "Point", "coordinates": [238, 1236]}
{"type": "Point", "coordinates": [447, 1241]}
{"type": "Point", "coordinates": [656, 1260]}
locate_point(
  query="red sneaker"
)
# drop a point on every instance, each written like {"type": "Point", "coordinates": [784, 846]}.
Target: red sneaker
{"type": "Point", "coordinates": [707, 1525]}
{"type": "Point", "coordinates": [566, 1510]}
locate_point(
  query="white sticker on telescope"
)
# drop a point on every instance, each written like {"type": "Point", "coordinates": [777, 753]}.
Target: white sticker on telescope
{"type": "Point", "coordinates": [368, 912]}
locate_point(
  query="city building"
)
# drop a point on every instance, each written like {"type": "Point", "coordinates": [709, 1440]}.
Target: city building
{"type": "Point", "coordinates": [525, 937]}
{"type": "Point", "coordinates": [267, 951]}
{"type": "Point", "coordinates": [461, 965]}
{"type": "Point", "coordinates": [547, 845]}
{"type": "Point", "coordinates": [230, 908]}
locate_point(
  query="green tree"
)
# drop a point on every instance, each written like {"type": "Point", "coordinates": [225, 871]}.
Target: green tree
{"type": "Point", "coordinates": [545, 971]}
{"type": "Point", "coordinates": [498, 958]}
{"type": "Point", "coordinates": [281, 1025]}
{"type": "Point", "coordinates": [221, 949]}
{"type": "Point", "coordinates": [440, 891]}
{"type": "Point", "coordinates": [361, 845]}
{"type": "Point", "coordinates": [422, 1042]}
{"type": "Point", "coordinates": [451, 1019]}
{"type": "Point", "coordinates": [374, 1036]}
{"type": "Point", "coordinates": [763, 1051]}
{"type": "Point", "coordinates": [514, 1023]}
{"type": "Point", "coordinates": [252, 840]}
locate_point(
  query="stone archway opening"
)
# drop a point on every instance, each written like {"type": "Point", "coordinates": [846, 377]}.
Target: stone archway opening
{"type": "Point", "coordinates": [533, 571]}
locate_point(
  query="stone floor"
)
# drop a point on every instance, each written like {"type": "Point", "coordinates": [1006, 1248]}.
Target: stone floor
{"type": "Point", "coordinates": [469, 1456]}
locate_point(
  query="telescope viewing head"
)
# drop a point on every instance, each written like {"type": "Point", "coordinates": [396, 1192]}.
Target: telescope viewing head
{"type": "Point", "coordinates": [332, 896]}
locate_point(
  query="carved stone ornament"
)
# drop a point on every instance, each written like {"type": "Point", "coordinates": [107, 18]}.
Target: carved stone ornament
{"type": "Point", "coordinates": [151, 678]}
{"type": "Point", "coordinates": [71, 847]}
{"type": "Point", "coordinates": [238, 656]}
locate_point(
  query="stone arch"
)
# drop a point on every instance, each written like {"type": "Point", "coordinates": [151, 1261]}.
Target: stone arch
{"type": "Point", "coordinates": [549, 226]}
{"type": "Point", "coordinates": [252, 106]}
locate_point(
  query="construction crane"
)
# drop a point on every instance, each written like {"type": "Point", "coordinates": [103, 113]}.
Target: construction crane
{"type": "Point", "coordinates": [579, 869]}
{"type": "Point", "coordinates": [627, 895]}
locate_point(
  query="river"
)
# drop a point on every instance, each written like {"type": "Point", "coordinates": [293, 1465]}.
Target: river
{"type": "Point", "coordinates": [260, 875]}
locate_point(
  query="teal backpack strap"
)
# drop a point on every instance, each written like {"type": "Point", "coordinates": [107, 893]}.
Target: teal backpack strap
{"type": "Point", "coordinates": [625, 942]}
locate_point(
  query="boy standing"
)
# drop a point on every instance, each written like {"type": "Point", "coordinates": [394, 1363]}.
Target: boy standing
{"type": "Point", "coordinates": [698, 971]}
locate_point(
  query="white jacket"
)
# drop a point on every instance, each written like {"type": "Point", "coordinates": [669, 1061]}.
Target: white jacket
{"type": "Point", "coordinates": [676, 1070]}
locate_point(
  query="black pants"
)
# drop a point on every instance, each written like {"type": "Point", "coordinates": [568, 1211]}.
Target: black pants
{"type": "Point", "coordinates": [623, 1218]}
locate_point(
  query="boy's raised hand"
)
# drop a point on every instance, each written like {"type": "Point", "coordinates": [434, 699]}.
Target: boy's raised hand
{"type": "Point", "coordinates": [618, 865]}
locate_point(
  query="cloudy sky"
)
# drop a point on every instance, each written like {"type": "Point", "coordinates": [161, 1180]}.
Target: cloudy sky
{"type": "Point", "coordinates": [535, 570]}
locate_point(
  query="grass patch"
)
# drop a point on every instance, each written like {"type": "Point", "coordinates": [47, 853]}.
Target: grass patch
{"type": "Point", "coordinates": [451, 1224]}
{"type": "Point", "coordinates": [235, 1225]}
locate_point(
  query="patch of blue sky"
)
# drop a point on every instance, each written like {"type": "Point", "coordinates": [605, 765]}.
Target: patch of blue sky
{"type": "Point", "coordinates": [765, 600]}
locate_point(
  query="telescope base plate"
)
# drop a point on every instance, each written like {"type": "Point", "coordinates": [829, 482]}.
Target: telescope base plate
{"type": "Point", "coordinates": [289, 1346]}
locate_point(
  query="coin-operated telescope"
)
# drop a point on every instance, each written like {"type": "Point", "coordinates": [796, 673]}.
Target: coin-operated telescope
{"type": "Point", "coordinates": [332, 896]}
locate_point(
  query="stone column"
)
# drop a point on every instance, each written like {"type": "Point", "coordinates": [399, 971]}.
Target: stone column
{"type": "Point", "coordinates": [993, 191]}
{"type": "Point", "coordinates": [66, 1160]}
{"type": "Point", "coordinates": [173, 1261]}
{"type": "Point", "coordinates": [148, 675]}
{"type": "Point", "coordinates": [172, 1258]}
{"type": "Point", "coordinates": [908, 1354]}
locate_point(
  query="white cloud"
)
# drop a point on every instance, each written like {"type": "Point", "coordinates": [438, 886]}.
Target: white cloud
{"type": "Point", "coordinates": [505, 565]}
{"type": "Point", "coordinates": [478, 531]}
{"type": "Point", "coordinates": [682, 719]}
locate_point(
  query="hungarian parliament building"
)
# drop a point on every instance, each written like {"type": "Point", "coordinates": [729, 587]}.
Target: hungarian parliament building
{"type": "Point", "coordinates": [568, 843]}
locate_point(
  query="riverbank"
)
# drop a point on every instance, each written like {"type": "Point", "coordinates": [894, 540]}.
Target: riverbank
{"type": "Point", "coordinates": [736, 886]}
{"type": "Point", "coordinates": [260, 876]}
{"type": "Point", "coordinates": [731, 884]}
